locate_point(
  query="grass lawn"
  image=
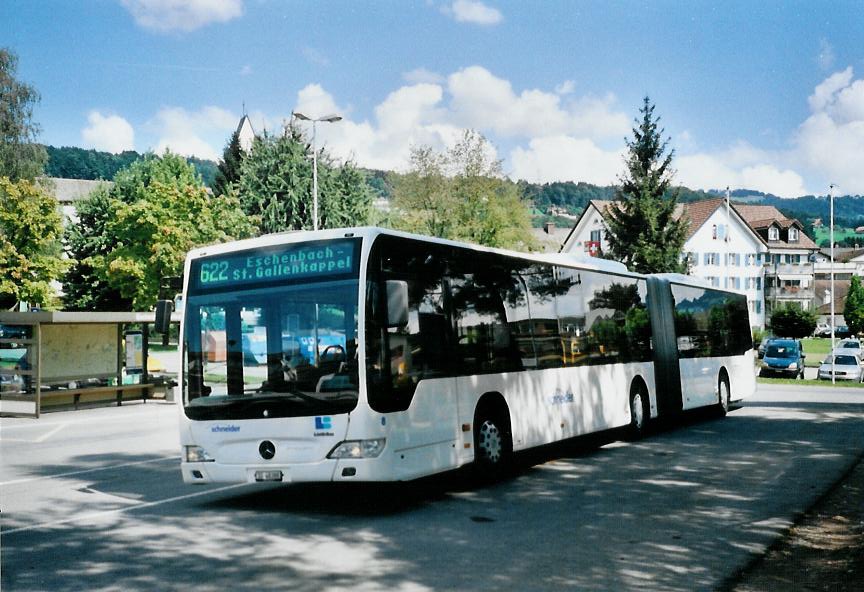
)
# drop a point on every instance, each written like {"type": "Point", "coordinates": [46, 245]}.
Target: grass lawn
{"type": "Point", "coordinates": [839, 383]}
{"type": "Point", "coordinates": [816, 349]}
{"type": "Point", "coordinates": [840, 233]}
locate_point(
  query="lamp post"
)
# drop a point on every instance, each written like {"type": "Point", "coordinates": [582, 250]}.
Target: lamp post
{"type": "Point", "coordinates": [831, 238]}
{"type": "Point", "coordinates": [332, 118]}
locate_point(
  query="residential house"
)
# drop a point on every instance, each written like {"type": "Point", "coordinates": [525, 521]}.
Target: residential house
{"type": "Point", "coordinates": [790, 264]}
{"type": "Point", "coordinates": [741, 248]}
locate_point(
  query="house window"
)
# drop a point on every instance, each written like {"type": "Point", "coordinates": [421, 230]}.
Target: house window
{"type": "Point", "coordinates": [758, 283]}
{"type": "Point", "coordinates": [595, 236]}
{"type": "Point", "coordinates": [773, 233]}
{"type": "Point", "coordinates": [758, 307]}
{"type": "Point", "coordinates": [714, 232]}
{"type": "Point", "coordinates": [793, 235]}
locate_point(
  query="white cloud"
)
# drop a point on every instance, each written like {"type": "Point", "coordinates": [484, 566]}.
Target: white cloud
{"type": "Point", "coordinates": [565, 88]}
{"type": "Point", "coordinates": [408, 116]}
{"type": "Point", "coordinates": [182, 15]}
{"type": "Point", "coordinates": [826, 55]}
{"type": "Point", "coordinates": [742, 166]}
{"type": "Point", "coordinates": [484, 101]}
{"type": "Point", "coordinates": [198, 133]}
{"type": "Point", "coordinates": [423, 75]}
{"type": "Point", "coordinates": [430, 113]}
{"type": "Point", "coordinates": [473, 11]}
{"type": "Point", "coordinates": [831, 140]}
{"type": "Point", "coordinates": [556, 135]}
{"type": "Point", "coordinates": [825, 92]}
{"type": "Point", "coordinates": [315, 56]}
{"type": "Point", "coordinates": [111, 133]}
{"type": "Point", "coordinates": [313, 101]}
{"type": "Point", "coordinates": [565, 158]}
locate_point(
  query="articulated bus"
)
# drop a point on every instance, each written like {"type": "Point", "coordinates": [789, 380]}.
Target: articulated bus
{"type": "Point", "coordinates": [364, 354]}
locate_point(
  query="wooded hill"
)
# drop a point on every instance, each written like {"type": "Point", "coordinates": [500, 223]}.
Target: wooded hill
{"type": "Point", "coordinates": [78, 163]}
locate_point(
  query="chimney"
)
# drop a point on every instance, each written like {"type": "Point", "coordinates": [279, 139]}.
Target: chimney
{"type": "Point", "coordinates": [549, 228]}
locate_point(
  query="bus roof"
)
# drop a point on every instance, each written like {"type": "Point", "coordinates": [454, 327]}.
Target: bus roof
{"type": "Point", "coordinates": [370, 232]}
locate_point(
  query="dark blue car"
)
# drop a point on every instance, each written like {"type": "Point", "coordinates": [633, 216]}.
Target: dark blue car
{"type": "Point", "coordinates": [783, 357]}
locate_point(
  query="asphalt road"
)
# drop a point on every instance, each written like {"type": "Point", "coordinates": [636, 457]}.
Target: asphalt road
{"type": "Point", "coordinates": [93, 500]}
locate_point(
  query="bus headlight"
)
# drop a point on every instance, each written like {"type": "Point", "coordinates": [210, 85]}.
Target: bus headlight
{"type": "Point", "coordinates": [358, 449]}
{"type": "Point", "coordinates": [196, 454]}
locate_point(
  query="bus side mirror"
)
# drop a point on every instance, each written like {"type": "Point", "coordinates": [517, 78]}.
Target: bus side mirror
{"type": "Point", "coordinates": [163, 316]}
{"type": "Point", "coordinates": [397, 303]}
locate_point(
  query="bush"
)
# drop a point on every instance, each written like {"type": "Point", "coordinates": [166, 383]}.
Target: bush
{"type": "Point", "coordinates": [793, 322]}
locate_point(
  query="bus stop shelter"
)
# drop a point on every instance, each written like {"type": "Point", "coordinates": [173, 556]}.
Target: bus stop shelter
{"type": "Point", "coordinates": [67, 358]}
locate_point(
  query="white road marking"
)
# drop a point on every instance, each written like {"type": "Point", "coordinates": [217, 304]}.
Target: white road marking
{"type": "Point", "coordinates": [93, 470]}
{"type": "Point", "coordinates": [92, 515]}
{"type": "Point", "coordinates": [47, 435]}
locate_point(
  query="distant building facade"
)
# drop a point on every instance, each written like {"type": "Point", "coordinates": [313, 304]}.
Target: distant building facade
{"type": "Point", "coordinates": [752, 249]}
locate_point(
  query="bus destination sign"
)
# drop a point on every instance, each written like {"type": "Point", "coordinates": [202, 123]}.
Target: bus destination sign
{"type": "Point", "coordinates": [290, 262]}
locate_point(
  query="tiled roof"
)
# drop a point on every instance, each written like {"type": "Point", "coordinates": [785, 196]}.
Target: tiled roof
{"type": "Point", "coordinates": [753, 213]}
{"type": "Point", "coordinates": [756, 217]}
{"type": "Point", "coordinates": [763, 216]}
{"type": "Point", "coordinates": [841, 289]}
{"type": "Point", "coordinates": [698, 213]}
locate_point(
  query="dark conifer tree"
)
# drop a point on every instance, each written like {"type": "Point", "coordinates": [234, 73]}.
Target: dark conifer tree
{"type": "Point", "coordinates": [229, 167]}
{"type": "Point", "coordinates": [643, 232]}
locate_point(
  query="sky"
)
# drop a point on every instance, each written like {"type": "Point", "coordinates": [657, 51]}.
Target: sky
{"type": "Point", "coordinates": [763, 95]}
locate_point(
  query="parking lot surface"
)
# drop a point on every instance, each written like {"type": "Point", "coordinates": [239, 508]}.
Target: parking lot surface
{"type": "Point", "coordinates": [93, 500]}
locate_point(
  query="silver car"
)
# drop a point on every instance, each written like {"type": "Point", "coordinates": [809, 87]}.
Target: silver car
{"type": "Point", "coordinates": [849, 346]}
{"type": "Point", "coordinates": [845, 367]}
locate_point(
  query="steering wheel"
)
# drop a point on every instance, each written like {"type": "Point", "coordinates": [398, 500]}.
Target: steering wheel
{"type": "Point", "coordinates": [339, 356]}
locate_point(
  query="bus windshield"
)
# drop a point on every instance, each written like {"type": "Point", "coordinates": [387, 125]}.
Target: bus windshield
{"type": "Point", "coordinates": [271, 349]}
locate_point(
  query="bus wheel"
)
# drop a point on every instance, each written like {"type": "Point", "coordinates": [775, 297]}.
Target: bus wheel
{"type": "Point", "coordinates": [493, 446]}
{"type": "Point", "coordinates": [639, 412]}
{"type": "Point", "coordinates": [723, 395]}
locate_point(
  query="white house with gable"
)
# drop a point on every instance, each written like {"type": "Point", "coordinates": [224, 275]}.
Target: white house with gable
{"type": "Point", "coordinates": [721, 247]}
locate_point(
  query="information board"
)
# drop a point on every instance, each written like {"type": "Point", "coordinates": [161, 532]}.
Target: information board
{"type": "Point", "coordinates": [285, 263]}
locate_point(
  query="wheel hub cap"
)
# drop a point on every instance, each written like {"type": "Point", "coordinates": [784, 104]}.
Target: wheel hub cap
{"type": "Point", "coordinates": [490, 442]}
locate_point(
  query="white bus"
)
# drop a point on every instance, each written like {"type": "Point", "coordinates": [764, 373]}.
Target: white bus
{"type": "Point", "coordinates": [370, 355]}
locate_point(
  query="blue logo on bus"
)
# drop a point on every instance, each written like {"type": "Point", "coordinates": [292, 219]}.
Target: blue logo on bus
{"type": "Point", "coordinates": [323, 423]}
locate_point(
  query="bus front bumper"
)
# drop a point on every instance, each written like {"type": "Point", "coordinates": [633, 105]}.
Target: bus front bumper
{"type": "Point", "coordinates": [370, 469]}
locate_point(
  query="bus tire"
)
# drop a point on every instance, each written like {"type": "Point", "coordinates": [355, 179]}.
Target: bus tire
{"type": "Point", "coordinates": [723, 394]}
{"type": "Point", "coordinates": [640, 411]}
{"type": "Point", "coordinates": [493, 442]}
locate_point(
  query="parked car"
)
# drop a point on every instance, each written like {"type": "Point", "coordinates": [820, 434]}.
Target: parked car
{"type": "Point", "coordinates": [783, 357]}
{"type": "Point", "coordinates": [845, 367]}
{"type": "Point", "coordinates": [849, 346]}
{"type": "Point", "coordinates": [822, 330]}
{"type": "Point", "coordinates": [842, 331]}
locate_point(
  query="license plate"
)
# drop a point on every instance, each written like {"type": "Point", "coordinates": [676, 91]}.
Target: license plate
{"type": "Point", "coordinates": [268, 475]}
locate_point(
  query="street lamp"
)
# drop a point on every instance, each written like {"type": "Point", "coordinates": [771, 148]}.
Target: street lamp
{"type": "Point", "coordinates": [332, 118]}
{"type": "Point", "coordinates": [831, 238]}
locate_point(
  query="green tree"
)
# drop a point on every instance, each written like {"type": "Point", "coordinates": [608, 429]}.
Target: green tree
{"type": "Point", "coordinates": [793, 322]}
{"type": "Point", "coordinates": [20, 156]}
{"type": "Point", "coordinates": [154, 234]}
{"type": "Point", "coordinates": [83, 288]}
{"type": "Point", "coordinates": [30, 254]}
{"type": "Point", "coordinates": [461, 194]}
{"type": "Point", "coordinates": [136, 233]}
{"type": "Point", "coordinates": [853, 309]}
{"type": "Point", "coordinates": [275, 186]}
{"type": "Point", "coordinates": [643, 232]}
{"type": "Point", "coordinates": [228, 170]}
